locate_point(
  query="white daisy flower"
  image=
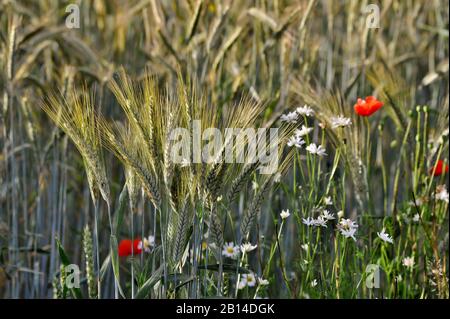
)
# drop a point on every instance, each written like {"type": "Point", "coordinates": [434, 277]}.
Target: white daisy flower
{"type": "Point", "coordinates": [348, 228]}
{"type": "Point", "coordinates": [408, 262]}
{"type": "Point", "coordinates": [314, 149]}
{"type": "Point", "coordinates": [320, 221]}
{"type": "Point", "coordinates": [285, 214]}
{"type": "Point", "coordinates": [250, 279]}
{"type": "Point", "coordinates": [348, 223]}
{"type": "Point", "coordinates": [385, 237]}
{"type": "Point", "coordinates": [230, 250]}
{"type": "Point", "coordinates": [308, 221]}
{"type": "Point", "coordinates": [442, 193]}
{"type": "Point", "coordinates": [296, 141]}
{"type": "Point", "coordinates": [348, 233]}
{"type": "Point", "coordinates": [290, 117]}
{"type": "Point", "coordinates": [147, 244]}
{"type": "Point", "coordinates": [263, 282]}
{"type": "Point", "coordinates": [327, 215]}
{"type": "Point", "coordinates": [340, 121]}
{"type": "Point", "coordinates": [416, 218]}
{"type": "Point", "coordinates": [303, 131]}
{"type": "Point", "coordinates": [314, 283]}
{"type": "Point", "coordinates": [327, 201]}
{"type": "Point", "coordinates": [247, 247]}
{"type": "Point", "coordinates": [305, 110]}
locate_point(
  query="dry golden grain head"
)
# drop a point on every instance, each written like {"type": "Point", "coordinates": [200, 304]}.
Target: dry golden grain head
{"type": "Point", "coordinates": [133, 185]}
{"type": "Point", "coordinates": [76, 117]}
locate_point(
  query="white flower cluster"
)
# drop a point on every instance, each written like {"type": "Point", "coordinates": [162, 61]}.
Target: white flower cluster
{"type": "Point", "coordinates": [340, 121]}
{"type": "Point", "coordinates": [297, 140]}
{"type": "Point", "coordinates": [318, 150]}
{"type": "Point", "coordinates": [348, 228]}
{"type": "Point", "coordinates": [292, 117]}
{"type": "Point", "coordinates": [441, 193]}
{"type": "Point", "coordinates": [232, 251]}
{"type": "Point", "coordinates": [320, 221]}
{"type": "Point", "coordinates": [385, 237]}
{"type": "Point", "coordinates": [250, 280]}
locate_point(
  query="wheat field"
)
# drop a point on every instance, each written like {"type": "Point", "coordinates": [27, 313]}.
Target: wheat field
{"type": "Point", "coordinates": [93, 204]}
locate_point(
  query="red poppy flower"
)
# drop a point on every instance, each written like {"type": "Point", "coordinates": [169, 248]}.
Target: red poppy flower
{"type": "Point", "coordinates": [439, 168]}
{"type": "Point", "coordinates": [368, 106]}
{"type": "Point", "coordinates": [125, 247]}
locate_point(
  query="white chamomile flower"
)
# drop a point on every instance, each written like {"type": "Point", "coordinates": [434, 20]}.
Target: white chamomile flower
{"type": "Point", "coordinates": [416, 218]}
{"type": "Point", "coordinates": [247, 247]}
{"type": "Point", "coordinates": [305, 110]}
{"type": "Point", "coordinates": [317, 150]}
{"type": "Point", "coordinates": [303, 131]}
{"type": "Point", "coordinates": [348, 233]}
{"type": "Point", "coordinates": [230, 250]}
{"type": "Point", "coordinates": [327, 201]}
{"type": "Point", "coordinates": [385, 237]}
{"type": "Point", "coordinates": [408, 262]}
{"type": "Point", "coordinates": [348, 228]}
{"type": "Point", "coordinates": [320, 221]}
{"type": "Point", "coordinates": [442, 193]}
{"type": "Point", "coordinates": [327, 215]}
{"type": "Point", "coordinates": [314, 283]}
{"type": "Point", "coordinates": [147, 244]}
{"type": "Point", "coordinates": [263, 282]}
{"type": "Point", "coordinates": [296, 141]}
{"type": "Point", "coordinates": [305, 247]}
{"type": "Point", "coordinates": [340, 121]}
{"type": "Point", "coordinates": [290, 117]}
{"type": "Point", "coordinates": [250, 279]}
{"type": "Point", "coordinates": [308, 221]}
{"type": "Point", "coordinates": [348, 223]}
{"type": "Point", "coordinates": [284, 214]}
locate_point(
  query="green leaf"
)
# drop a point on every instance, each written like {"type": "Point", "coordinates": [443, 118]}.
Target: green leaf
{"type": "Point", "coordinates": [144, 290]}
{"type": "Point", "coordinates": [105, 266]}
{"type": "Point", "coordinates": [76, 292]}
{"type": "Point", "coordinates": [115, 262]}
{"type": "Point", "coordinates": [118, 214]}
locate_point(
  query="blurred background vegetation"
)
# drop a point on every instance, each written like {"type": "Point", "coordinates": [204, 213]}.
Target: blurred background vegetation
{"type": "Point", "coordinates": [277, 52]}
